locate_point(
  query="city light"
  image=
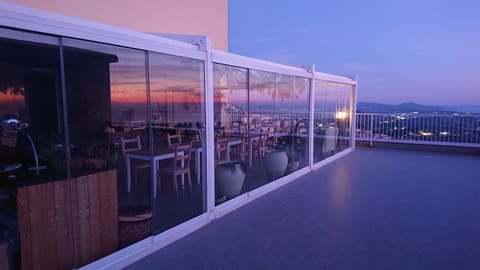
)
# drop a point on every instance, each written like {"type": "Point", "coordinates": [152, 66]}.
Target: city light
{"type": "Point", "coordinates": [341, 115]}
{"type": "Point", "coordinates": [425, 133]}
{"type": "Point", "coordinates": [444, 133]}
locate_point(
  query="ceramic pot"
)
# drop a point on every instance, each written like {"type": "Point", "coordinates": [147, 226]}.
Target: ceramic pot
{"type": "Point", "coordinates": [292, 166]}
{"type": "Point", "coordinates": [275, 162]}
{"type": "Point", "coordinates": [229, 179]}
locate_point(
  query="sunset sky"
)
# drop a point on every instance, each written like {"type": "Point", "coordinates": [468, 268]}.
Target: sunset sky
{"type": "Point", "coordinates": [403, 51]}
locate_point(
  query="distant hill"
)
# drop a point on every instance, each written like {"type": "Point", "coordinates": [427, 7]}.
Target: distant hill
{"type": "Point", "coordinates": [401, 108]}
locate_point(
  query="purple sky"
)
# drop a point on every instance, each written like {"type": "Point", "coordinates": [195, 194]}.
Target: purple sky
{"type": "Point", "coordinates": [426, 52]}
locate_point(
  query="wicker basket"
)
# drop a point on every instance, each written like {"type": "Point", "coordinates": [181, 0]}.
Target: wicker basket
{"type": "Point", "coordinates": [133, 224]}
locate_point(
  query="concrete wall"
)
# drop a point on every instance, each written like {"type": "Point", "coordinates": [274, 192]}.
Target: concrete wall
{"type": "Point", "coordinates": [194, 17]}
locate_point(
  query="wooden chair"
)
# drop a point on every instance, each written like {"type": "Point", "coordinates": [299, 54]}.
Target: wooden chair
{"type": "Point", "coordinates": [221, 147]}
{"type": "Point", "coordinates": [198, 137]}
{"type": "Point", "coordinates": [180, 166]}
{"type": "Point", "coordinates": [174, 139]}
{"type": "Point", "coordinates": [240, 151]}
{"type": "Point", "coordinates": [272, 138]}
{"type": "Point", "coordinates": [243, 129]}
{"type": "Point", "coordinates": [227, 132]}
{"type": "Point", "coordinates": [259, 146]}
{"type": "Point", "coordinates": [130, 145]}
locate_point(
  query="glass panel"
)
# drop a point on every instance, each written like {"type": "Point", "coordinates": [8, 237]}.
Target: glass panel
{"type": "Point", "coordinates": [279, 118]}
{"type": "Point", "coordinates": [342, 116]}
{"type": "Point", "coordinates": [231, 131]}
{"type": "Point", "coordinates": [291, 120]}
{"type": "Point", "coordinates": [262, 98]}
{"type": "Point", "coordinates": [107, 118]}
{"type": "Point", "coordinates": [32, 150]}
{"type": "Point", "coordinates": [178, 115]}
{"type": "Point", "coordinates": [332, 118]}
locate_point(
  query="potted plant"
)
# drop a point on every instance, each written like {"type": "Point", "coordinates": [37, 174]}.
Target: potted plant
{"type": "Point", "coordinates": [275, 163]}
{"type": "Point", "coordinates": [55, 157]}
{"type": "Point", "coordinates": [229, 179]}
{"type": "Point", "coordinates": [96, 157]}
{"type": "Point", "coordinates": [293, 160]}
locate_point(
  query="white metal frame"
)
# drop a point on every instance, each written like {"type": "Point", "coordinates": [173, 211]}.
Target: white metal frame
{"type": "Point", "coordinates": [23, 18]}
{"type": "Point", "coordinates": [20, 17]}
{"type": "Point", "coordinates": [353, 113]}
{"type": "Point", "coordinates": [257, 64]}
{"type": "Point", "coordinates": [311, 141]}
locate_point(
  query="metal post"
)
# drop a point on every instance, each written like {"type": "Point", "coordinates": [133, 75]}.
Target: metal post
{"type": "Point", "coordinates": [371, 130]}
{"type": "Point", "coordinates": [353, 113]}
{"type": "Point", "coordinates": [311, 116]}
{"type": "Point", "coordinates": [209, 187]}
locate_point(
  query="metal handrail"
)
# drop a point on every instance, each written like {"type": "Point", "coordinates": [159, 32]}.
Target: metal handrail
{"type": "Point", "coordinates": [449, 129]}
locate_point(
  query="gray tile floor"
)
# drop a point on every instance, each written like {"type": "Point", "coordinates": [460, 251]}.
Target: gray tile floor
{"type": "Point", "coordinates": [373, 209]}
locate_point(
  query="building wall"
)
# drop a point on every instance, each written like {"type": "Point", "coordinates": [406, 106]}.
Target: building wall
{"type": "Point", "coordinates": [190, 17]}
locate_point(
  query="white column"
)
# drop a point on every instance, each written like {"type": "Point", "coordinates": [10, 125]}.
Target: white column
{"type": "Point", "coordinates": [208, 146]}
{"type": "Point", "coordinates": [311, 121]}
{"type": "Point", "coordinates": [353, 113]}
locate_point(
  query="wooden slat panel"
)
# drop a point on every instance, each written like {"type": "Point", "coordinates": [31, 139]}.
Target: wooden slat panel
{"type": "Point", "coordinates": [39, 230]}
{"type": "Point", "coordinates": [23, 212]}
{"type": "Point", "coordinates": [74, 216]}
{"type": "Point", "coordinates": [109, 211]}
{"type": "Point", "coordinates": [49, 224]}
{"type": "Point", "coordinates": [37, 218]}
{"type": "Point", "coordinates": [83, 210]}
{"type": "Point", "coordinates": [100, 232]}
{"type": "Point", "coordinates": [95, 251]}
{"type": "Point", "coordinates": [49, 212]}
{"type": "Point", "coordinates": [64, 236]}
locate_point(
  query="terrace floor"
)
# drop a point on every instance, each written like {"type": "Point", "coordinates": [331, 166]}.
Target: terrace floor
{"type": "Point", "coordinates": [372, 209]}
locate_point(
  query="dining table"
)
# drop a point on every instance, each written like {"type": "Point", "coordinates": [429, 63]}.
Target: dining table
{"type": "Point", "coordinates": [165, 152]}
{"type": "Point", "coordinates": [160, 153]}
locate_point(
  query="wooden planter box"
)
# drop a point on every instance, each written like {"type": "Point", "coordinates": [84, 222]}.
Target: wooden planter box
{"type": "Point", "coordinates": [68, 221]}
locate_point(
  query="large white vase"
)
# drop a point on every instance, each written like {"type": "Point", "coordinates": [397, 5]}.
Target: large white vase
{"type": "Point", "coordinates": [229, 178]}
{"type": "Point", "coordinates": [275, 162]}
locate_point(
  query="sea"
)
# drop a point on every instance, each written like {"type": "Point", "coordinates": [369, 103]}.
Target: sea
{"type": "Point", "coordinates": [464, 108]}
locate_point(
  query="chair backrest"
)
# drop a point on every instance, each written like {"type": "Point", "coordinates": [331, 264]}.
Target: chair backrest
{"type": "Point", "coordinates": [221, 145]}
{"type": "Point", "coordinates": [129, 145]}
{"type": "Point", "coordinates": [262, 141]}
{"type": "Point", "coordinates": [227, 132]}
{"type": "Point", "coordinates": [183, 152]}
{"type": "Point", "coordinates": [174, 139]}
{"type": "Point", "coordinates": [198, 136]}
{"type": "Point", "coordinates": [244, 146]}
{"type": "Point", "coordinates": [243, 128]}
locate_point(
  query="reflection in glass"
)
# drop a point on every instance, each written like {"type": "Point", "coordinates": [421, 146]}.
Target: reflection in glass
{"type": "Point", "coordinates": [107, 120]}
{"type": "Point", "coordinates": [278, 126]}
{"type": "Point", "coordinates": [32, 151]}
{"type": "Point", "coordinates": [263, 131]}
{"type": "Point", "coordinates": [332, 118]}
{"type": "Point", "coordinates": [231, 131]}
{"type": "Point", "coordinates": [177, 93]}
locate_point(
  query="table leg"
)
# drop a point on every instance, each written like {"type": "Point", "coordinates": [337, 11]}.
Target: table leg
{"type": "Point", "coordinates": [129, 179]}
{"type": "Point", "coordinates": [228, 152]}
{"type": "Point", "coordinates": [183, 175]}
{"type": "Point", "coordinates": [250, 152]}
{"type": "Point", "coordinates": [155, 183]}
{"type": "Point", "coordinates": [197, 164]}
